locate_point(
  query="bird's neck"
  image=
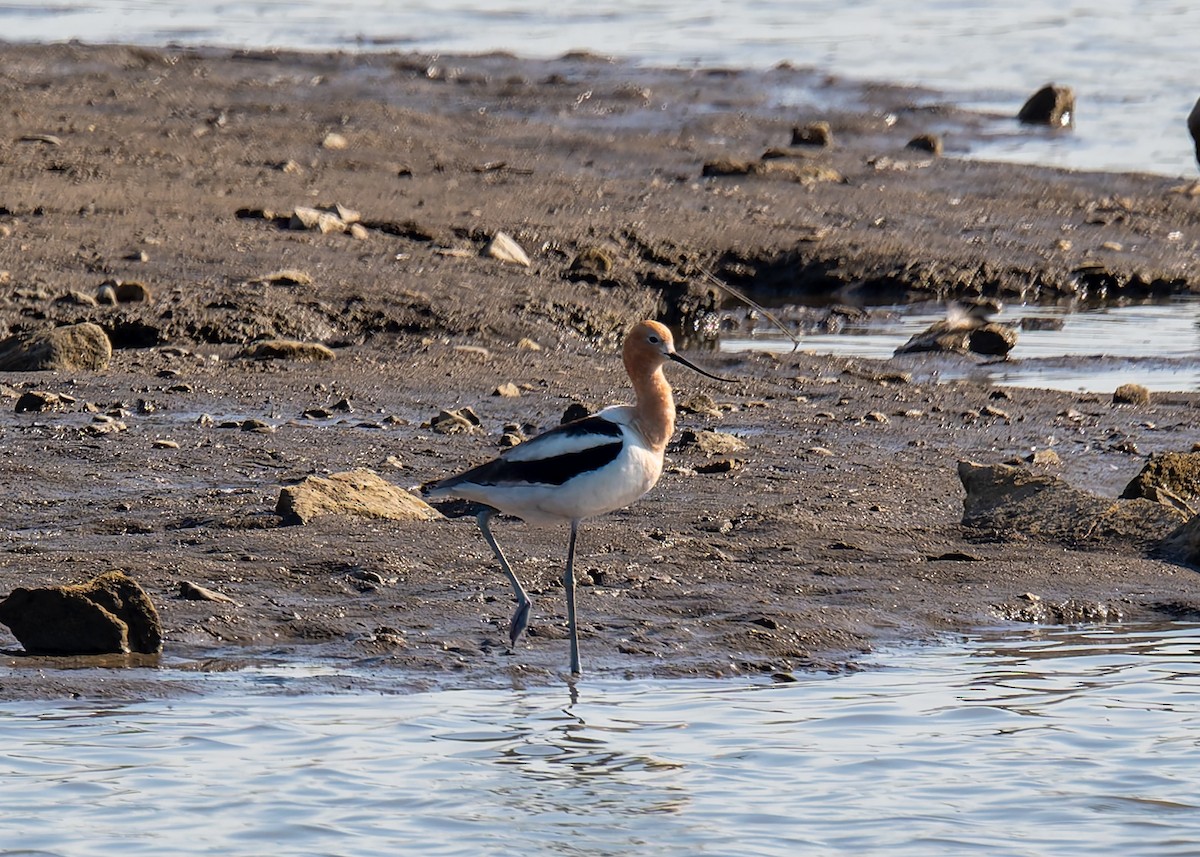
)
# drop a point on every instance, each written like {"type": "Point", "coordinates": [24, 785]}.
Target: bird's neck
{"type": "Point", "coordinates": [655, 409]}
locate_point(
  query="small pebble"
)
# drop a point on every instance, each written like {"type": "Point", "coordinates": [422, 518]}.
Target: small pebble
{"type": "Point", "coordinates": [334, 141]}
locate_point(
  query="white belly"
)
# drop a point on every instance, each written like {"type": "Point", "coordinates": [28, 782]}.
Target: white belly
{"type": "Point", "coordinates": [617, 484]}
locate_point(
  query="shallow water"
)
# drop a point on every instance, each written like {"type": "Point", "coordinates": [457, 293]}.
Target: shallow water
{"type": "Point", "coordinates": [1047, 742]}
{"type": "Point", "coordinates": [1131, 62]}
{"type": "Point", "coordinates": [1156, 345]}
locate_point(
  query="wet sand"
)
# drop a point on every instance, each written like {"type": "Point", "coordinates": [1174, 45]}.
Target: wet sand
{"type": "Point", "coordinates": [837, 529]}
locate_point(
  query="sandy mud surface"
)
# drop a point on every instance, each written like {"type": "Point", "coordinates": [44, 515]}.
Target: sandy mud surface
{"type": "Point", "coordinates": [839, 525]}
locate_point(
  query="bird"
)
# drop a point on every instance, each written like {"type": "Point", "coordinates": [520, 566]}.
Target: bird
{"type": "Point", "coordinates": [1193, 124]}
{"type": "Point", "coordinates": [581, 469]}
{"type": "Point", "coordinates": [971, 314]}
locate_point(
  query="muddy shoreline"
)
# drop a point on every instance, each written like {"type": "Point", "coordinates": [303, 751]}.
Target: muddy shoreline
{"type": "Point", "coordinates": [837, 529]}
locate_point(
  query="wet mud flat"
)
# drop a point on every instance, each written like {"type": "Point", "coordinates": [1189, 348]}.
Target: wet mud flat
{"type": "Point", "coordinates": [838, 525]}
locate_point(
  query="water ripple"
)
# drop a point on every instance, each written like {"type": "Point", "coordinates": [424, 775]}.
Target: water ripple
{"type": "Point", "coordinates": [996, 745]}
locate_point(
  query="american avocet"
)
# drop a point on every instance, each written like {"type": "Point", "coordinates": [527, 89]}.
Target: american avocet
{"type": "Point", "coordinates": [581, 469]}
{"type": "Point", "coordinates": [1193, 123]}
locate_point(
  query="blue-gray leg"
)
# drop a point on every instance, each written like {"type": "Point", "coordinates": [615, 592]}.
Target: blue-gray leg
{"type": "Point", "coordinates": [520, 617]}
{"type": "Point", "coordinates": [569, 586]}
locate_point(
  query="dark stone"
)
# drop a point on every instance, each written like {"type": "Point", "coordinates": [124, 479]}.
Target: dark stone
{"type": "Point", "coordinates": [729, 167]}
{"type": "Point", "coordinates": [574, 412]}
{"type": "Point", "coordinates": [132, 333]}
{"type": "Point", "coordinates": [993, 339]}
{"type": "Point", "coordinates": [110, 614]}
{"type": "Point", "coordinates": [931, 143]}
{"type": "Point", "coordinates": [1051, 105]}
{"type": "Point", "coordinates": [813, 134]}
{"type": "Point", "coordinates": [131, 291]}
{"type": "Point", "coordinates": [36, 401]}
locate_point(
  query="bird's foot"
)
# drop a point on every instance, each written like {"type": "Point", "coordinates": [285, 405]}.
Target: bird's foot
{"type": "Point", "coordinates": [519, 621]}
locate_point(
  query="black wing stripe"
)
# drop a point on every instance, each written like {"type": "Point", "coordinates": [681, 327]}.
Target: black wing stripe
{"type": "Point", "coordinates": [589, 425]}
{"type": "Point", "coordinates": [542, 471]}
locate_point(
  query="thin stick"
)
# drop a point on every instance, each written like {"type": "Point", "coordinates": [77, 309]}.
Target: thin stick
{"type": "Point", "coordinates": [742, 296]}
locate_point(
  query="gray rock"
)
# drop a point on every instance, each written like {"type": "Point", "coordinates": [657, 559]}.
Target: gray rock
{"type": "Point", "coordinates": [1036, 611]}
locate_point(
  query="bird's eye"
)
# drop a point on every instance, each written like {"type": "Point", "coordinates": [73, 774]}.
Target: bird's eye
{"type": "Point", "coordinates": [653, 340]}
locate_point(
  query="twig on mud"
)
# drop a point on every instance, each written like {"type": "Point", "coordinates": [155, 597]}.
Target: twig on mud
{"type": "Point", "coordinates": [742, 296]}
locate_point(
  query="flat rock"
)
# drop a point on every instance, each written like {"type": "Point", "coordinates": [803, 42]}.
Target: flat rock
{"type": "Point", "coordinates": [36, 401]}
{"type": "Point", "coordinates": [111, 614]}
{"type": "Point", "coordinates": [78, 298]}
{"type": "Point", "coordinates": [710, 442]}
{"type": "Point", "coordinates": [65, 349]}
{"type": "Point", "coordinates": [284, 277]}
{"type": "Point", "coordinates": [1036, 611]}
{"type": "Point", "coordinates": [195, 592]}
{"type": "Point", "coordinates": [360, 493]}
{"type": "Point", "coordinates": [288, 349]}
